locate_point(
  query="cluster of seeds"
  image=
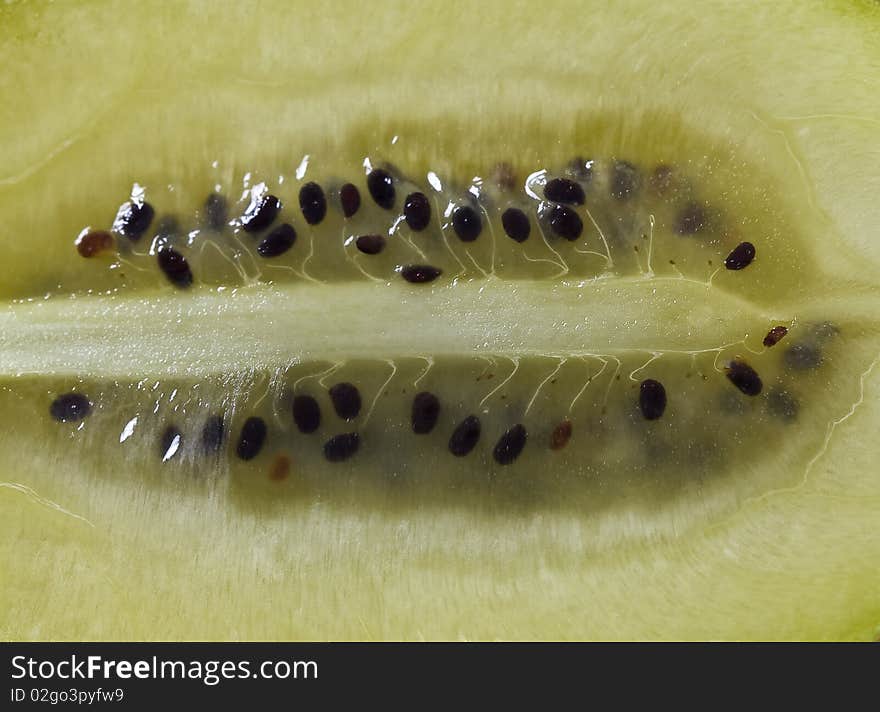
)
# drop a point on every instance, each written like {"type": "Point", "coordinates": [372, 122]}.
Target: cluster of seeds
{"type": "Point", "coordinates": [554, 208]}
{"type": "Point", "coordinates": [557, 214]}
{"type": "Point", "coordinates": [346, 400]}
{"type": "Point", "coordinates": [426, 406]}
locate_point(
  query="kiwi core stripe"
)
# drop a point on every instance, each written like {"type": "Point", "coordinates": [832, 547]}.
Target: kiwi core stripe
{"type": "Point", "coordinates": [206, 332]}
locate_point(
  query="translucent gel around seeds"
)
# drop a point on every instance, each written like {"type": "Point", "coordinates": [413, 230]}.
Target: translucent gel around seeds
{"type": "Point", "coordinates": [542, 341]}
{"type": "Point", "coordinates": [711, 437]}
{"type": "Point", "coordinates": [650, 232]}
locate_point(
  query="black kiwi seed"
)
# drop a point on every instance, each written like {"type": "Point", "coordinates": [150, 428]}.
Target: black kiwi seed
{"type": "Point", "coordinates": [213, 434]}
{"type": "Point", "coordinates": [133, 219]}
{"type": "Point", "coordinates": [170, 442]}
{"type": "Point", "coordinates": [419, 274]}
{"type": "Point", "coordinates": [278, 241]}
{"type": "Point", "coordinates": [465, 436]}
{"type": "Point", "coordinates": [370, 244]}
{"type": "Point", "coordinates": [466, 223]}
{"type": "Point", "coordinates": [782, 404]}
{"type": "Point", "coordinates": [381, 187]}
{"type": "Point", "coordinates": [306, 414]}
{"type": "Point", "coordinates": [565, 222]}
{"type": "Point", "coordinates": [251, 438]}
{"type": "Point", "coordinates": [775, 335]}
{"type": "Point", "coordinates": [425, 411]}
{"type": "Point", "coordinates": [741, 256]}
{"type": "Point", "coordinates": [510, 445]}
{"type": "Point", "coordinates": [691, 219]}
{"type": "Point", "coordinates": [70, 407]}
{"type": "Point", "coordinates": [312, 203]}
{"type": "Point", "coordinates": [417, 211]}
{"type": "Point", "coordinates": [744, 377]}
{"type": "Point", "coordinates": [260, 213]}
{"type": "Point", "coordinates": [624, 180]}
{"type": "Point", "coordinates": [215, 212]}
{"type": "Point", "coordinates": [652, 399]}
{"type": "Point", "coordinates": [563, 190]}
{"type": "Point", "coordinates": [346, 400]}
{"type": "Point", "coordinates": [803, 356]}
{"type": "Point", "coordinates": [341, 447]}
{"type": "Point", "coordinates": [350, 199]}
{"type": "Point", "coordinates": [516, 224]}
{"type": "Point", "coordinates": [175, 267]}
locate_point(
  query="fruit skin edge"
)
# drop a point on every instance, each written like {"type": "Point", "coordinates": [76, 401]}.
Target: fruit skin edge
{"type": "Point", "coordinates": [24, 620]}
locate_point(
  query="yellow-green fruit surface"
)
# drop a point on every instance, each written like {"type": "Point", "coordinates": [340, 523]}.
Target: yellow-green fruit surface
{"type": "Point", "coordinates": [756, 520]}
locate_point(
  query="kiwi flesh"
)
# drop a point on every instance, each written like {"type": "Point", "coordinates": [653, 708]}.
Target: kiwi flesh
{"type": "Point", "coordinates": [177, 493]}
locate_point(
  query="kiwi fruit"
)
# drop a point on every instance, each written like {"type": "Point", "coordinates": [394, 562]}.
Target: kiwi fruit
{"type": "Point", "coordinates": [313, 328]}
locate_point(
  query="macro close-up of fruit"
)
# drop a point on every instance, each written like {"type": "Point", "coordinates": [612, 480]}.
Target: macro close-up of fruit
{"type": "Point", "coordinates": [445, 321]}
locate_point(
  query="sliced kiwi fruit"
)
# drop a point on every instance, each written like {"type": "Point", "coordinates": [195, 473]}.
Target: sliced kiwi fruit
{"type": "Point", "coordinates": [364, 343]}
